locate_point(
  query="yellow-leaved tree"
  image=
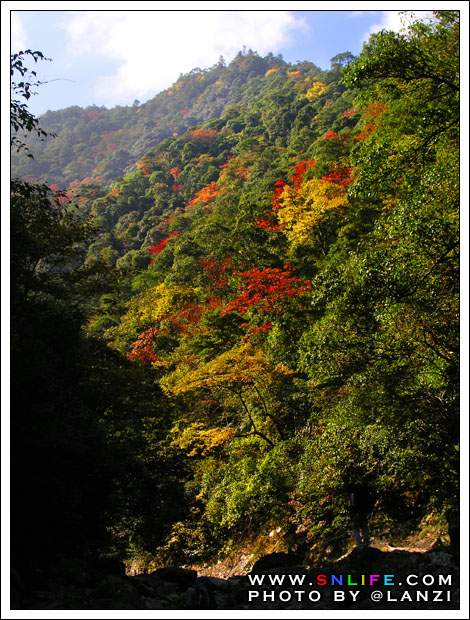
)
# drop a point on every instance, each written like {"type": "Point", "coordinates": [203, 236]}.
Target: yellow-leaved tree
{"type": "Point", "coordinates": [300, 209]}
{"type": "Point", "coordinates": [236, 377]}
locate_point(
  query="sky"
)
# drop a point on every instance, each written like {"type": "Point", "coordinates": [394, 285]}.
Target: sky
{"type": "Point", "coordinates": [104, 57]}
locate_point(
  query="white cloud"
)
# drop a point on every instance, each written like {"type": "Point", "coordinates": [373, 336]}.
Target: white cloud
{"type": "Point", "coordinates": [396, 21]}
{"type": "Point", "coordinates": [152, 48]}
{"type": "Point", "coordinates": [19, 40]}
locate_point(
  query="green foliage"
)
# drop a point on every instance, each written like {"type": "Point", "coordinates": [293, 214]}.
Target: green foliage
{"type": "Point", "coordinates": [21, 118]}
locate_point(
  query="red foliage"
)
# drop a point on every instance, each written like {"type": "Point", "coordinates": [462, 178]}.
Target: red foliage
{"type": "Point", "coordinates": [267, 221]}
{"type": "Point", "coordinates": [186, 316]}
{"type": "Point", "coordinates": [217, 271]}
{"type": "Point", "coordinates": [154, 250]}
{"type": "Point", "coordinates": [278, 189]}
{"type": "Point", "coordinates": [93, 114]}
{"type": "Point", "coordinates": [299, 171]}
{"type": "Point", "coordinates": [296, 178]}
{"type": "Point", "coordinates": [341, 176]}
{"type": "Point", "coordinates": [266, 288]}
{"type": "Point", "coordinates": [175, 172]}
{"type": "Point", "coordinates": [177, 187]}
{"type": "Point", "coordinates": [54, 187]}
{"type": "Point", "coordinates": [330, 135]}
{"type": "Point", "coordinates": [142, 349]}
{"type": "Point", "coordinates": [213, 303]}
{"type": "Point", "coordinates": [62, 198]}
{"type": "Point", "coordinates": [184, 112]}
{"type": "Point", "coordinates": [349, 113]}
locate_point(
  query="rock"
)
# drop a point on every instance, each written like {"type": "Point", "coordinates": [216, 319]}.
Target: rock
{"type": "Point", "coordinates": [144, 588]}
{"type": "Point", "coordinates": [183, 576]}
{"type": "Point", "coordinates": [152, 580]}
{"type": "Point", "coordinates": [219, 584]}
{"type": "Point", "coordinates": [168, 589]}
{"type": "Point", "coordinates": [274, 560]}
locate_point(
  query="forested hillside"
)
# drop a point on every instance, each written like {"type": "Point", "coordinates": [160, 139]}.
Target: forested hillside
{"type": "Point", "coordinates": [245, 299]}
{"type": "Point", "coordinates": [98, 144]}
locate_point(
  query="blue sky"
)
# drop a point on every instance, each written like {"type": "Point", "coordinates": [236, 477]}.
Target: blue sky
{"type": "Point", "coordinates": [113, 57]}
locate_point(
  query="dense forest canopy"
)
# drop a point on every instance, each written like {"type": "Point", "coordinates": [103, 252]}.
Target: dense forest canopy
{"type": "Point", "coordinates": [233, 300]}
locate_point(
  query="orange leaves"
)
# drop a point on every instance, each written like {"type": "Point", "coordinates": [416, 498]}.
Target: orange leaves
{"type": "Point", "coordinates": [145, 164]}
{"type": "Point", "coordinates": [203, 136]}
{"type": "Point", "coordinates": [175, 172]}
{"type": "Point", "coordinates": [295, 74]}
{"type": "Point", "coordinates": [72, 185]}
{"type": "Point", "coordinates": [330, 135]}
{"type": "Point", "coordinates": [365, 133]}
{"type": "Point", "coordinates": [373, 112]}
{"type": "Point", "coordinates": [206, 194]}
{"type": "Point", "coordinates": [142, 349]}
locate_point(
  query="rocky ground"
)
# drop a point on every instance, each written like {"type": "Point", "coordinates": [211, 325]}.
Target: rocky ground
{"type": "Point", "coordinates": [275, 582]}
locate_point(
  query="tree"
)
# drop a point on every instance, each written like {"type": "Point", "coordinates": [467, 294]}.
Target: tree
{"type": "Point", "coordinates": [21, 118]}
{"type": "Point", "coordinates": [342, 60]}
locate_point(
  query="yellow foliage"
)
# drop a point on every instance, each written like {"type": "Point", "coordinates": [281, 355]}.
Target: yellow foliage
{"type": "Point", "coordinates": [150, 308]}
{"type": "Point", "coordinates": [201, 441]}
{"type": "Point", "coordinates": [270, 71]}
{"type": "Point", "coordinates": [300, 209]}
{"type": "Point", "coordinates": [238, 368]}
{"type": "Point", "coordinates": [317, 90]}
